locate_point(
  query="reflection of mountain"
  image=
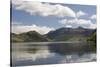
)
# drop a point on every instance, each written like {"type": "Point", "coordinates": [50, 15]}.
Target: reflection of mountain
{"type": "Point", "coordinates": [62, 34]}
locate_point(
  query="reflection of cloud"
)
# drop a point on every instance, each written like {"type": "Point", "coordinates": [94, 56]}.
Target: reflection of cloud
{"type": "Point", "coordinates": [87, 57]}
{"type": "Point", "coordinates": [53, 57]}
{"type": "Point", "coordinates": [25, 28]}
{"type": "Point", "coordinates": [42, 54]}
{"type": "Point", "coordinates": [43, 9]}
{"type": "Point", "coordinates": [76, 58]}
{"type": "Point", "coordinates": [78, 22]}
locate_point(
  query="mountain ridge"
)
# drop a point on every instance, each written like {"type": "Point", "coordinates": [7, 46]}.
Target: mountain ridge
{"type": "Point", "coordinates": [61, 34]}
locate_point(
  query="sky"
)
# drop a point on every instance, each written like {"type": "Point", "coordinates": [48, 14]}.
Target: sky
{"type": "Point", "coordinates": [44, 16]}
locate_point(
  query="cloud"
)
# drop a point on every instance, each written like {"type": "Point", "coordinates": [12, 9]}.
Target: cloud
{"type": "Point", "coordinates": [93, 26]}
{"type": "Point", "coordinates": [64, 21]}
{"type": "Point", "coordinates": [78, 22]}
{"type": "Point", "coordinates": [25, 28]}
{"type": "Point", "coordinates": [68, 26]}
{"type": "Point", "coordinates": [42, 54]}
{"type": "Point", "coordinates": [80, 13]}
{"type": "Point", "coordinates": [43, 9]}
{"type": "Point", "coordinates": [16, 23]}
{"type": "Point", "coordinates": [93, 16]}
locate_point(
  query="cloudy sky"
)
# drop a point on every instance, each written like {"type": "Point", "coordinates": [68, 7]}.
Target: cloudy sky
{"type": "Point", "coordinates": [44, 17]}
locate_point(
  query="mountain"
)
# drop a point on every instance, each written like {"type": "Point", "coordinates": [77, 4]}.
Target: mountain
{"type": "Point", "coordinates": [31, 36]}
{"type": "Point", "coordinates": [61, 34]}
{"type": "Point", "coordinates": [69, 34]}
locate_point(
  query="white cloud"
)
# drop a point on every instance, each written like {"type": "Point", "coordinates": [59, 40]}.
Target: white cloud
{"type": "Point", "coordinates": [93, 26]}
{"type": "Point", "coordinates": [84, 22]}
{"type": "Point", "coordinates": [68, 26]}
{"type": "Point", "coordinates": [80, 13]}
{"type": "Point", "coordinates": [25, 28]}
{"type": "Point", "coordinates": [64, 21]}
{"type": "Point", "coordinates": [93, 17]}
{"type": "Point", "coordinates": [16, 23]}
{"type": "Point", "coordinates": [78, 22]}
{"type": "Point", "coordinates": [43, 9]}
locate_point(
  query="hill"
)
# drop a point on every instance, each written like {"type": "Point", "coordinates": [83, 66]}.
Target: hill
{"type": "Point", "coordinates": [69, 34]}
{"type": "Point", "coordinates": [61, 34]}
{"type": "Point", "coordinates": [31, 36]}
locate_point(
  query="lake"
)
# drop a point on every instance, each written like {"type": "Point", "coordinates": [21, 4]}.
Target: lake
{"type": "Point", "coordinates": [40, 53]}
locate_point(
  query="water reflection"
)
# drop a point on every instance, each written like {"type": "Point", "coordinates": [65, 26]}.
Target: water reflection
{"type": "Point", "coordinates": [52, 53]}
{"type": "Point", "coordinates": [70, 48]}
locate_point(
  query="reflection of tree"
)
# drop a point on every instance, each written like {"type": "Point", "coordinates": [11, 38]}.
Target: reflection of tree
{"type": "Point", "coordinates": [32, 50]}
{"type": "Point", "coordinates": [70, 48]}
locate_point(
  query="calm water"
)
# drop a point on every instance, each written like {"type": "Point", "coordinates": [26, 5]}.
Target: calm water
{"type": "Point", "coordinates": [39, 53]}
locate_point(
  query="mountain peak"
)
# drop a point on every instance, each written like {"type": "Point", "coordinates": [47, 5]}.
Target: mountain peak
{"type": "Point", "coordinates": [80, 27]}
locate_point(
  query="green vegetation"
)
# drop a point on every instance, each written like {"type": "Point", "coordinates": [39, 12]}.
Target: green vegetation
{"type": "Point", "coordinates": [70, 34]}
{"type": "Point", "coordinates": [92, 37]}
{"type": "Point", "coordinates": [32, 50]}
{"type": "Point", "coordinates": [62, 34]}
{"type": "Point", "coordinates": [30, 36]}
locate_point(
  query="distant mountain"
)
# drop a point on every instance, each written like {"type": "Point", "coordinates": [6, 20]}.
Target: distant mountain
{"type": "Point", "coordinates": [61, 34]}
{"type": "Point", "coordinates": [65, 34]}
{"type": "Point", "coordinates": [31, 36]}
